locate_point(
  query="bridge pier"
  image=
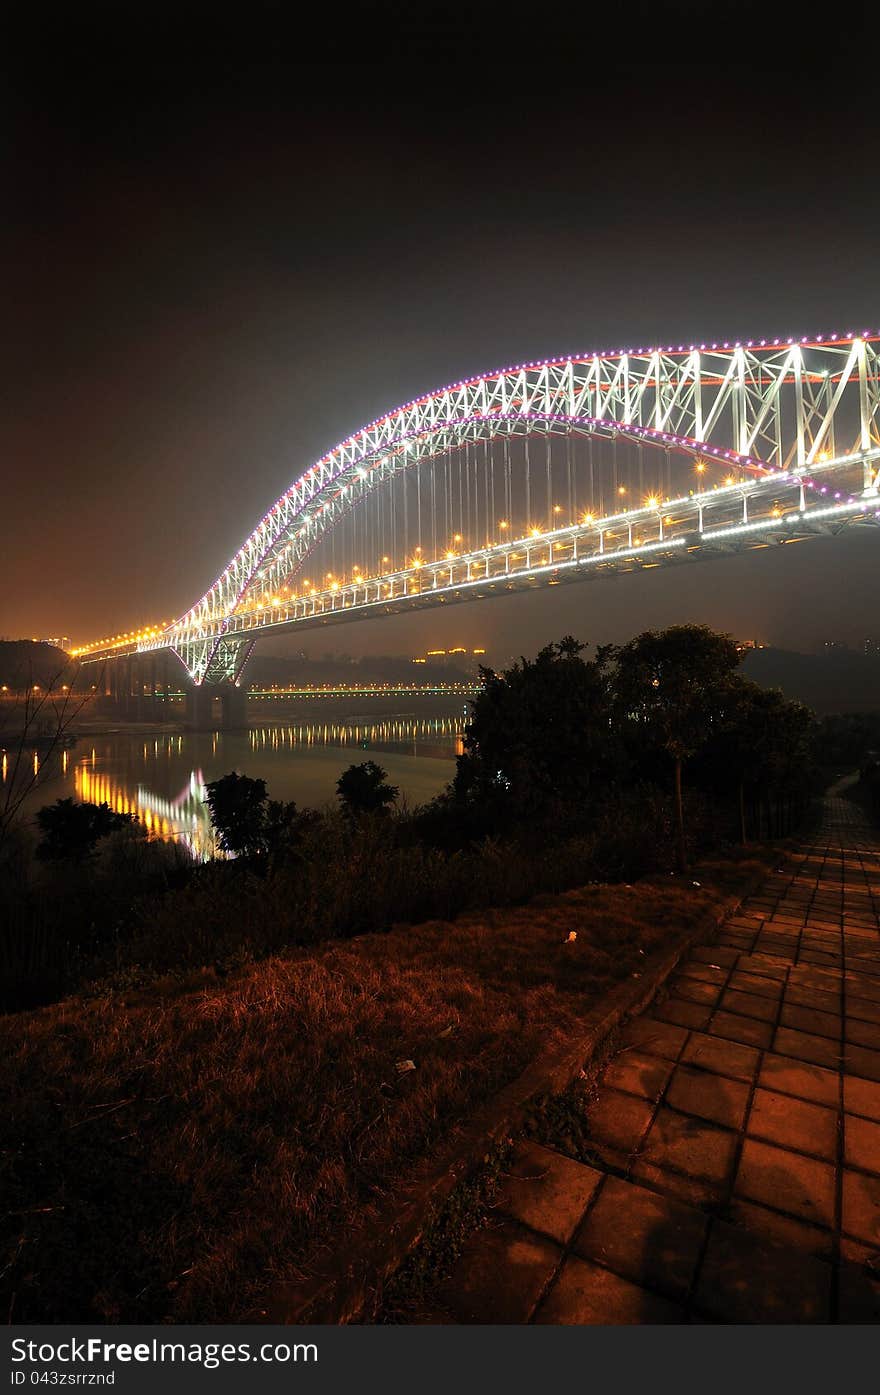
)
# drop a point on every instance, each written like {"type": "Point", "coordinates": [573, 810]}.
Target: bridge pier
{"type": "Point", "coordinates": [233, 707]}
{"type": "Point", "coordinates": [199, 709]}
{"type": "Point", "coordinates": [199, 714]}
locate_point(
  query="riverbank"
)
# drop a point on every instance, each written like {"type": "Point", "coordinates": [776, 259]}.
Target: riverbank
{"type": "Point", "coordinates": [171, 1154]}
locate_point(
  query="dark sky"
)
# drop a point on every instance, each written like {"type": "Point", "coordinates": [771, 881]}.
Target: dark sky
{"type": "Point", "coordinates": [224, 249]}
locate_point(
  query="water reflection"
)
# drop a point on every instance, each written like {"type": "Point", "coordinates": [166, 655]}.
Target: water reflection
{"type": "Point", "coordinates": [161, 779]}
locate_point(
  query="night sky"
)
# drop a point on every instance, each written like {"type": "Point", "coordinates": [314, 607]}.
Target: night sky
{"type": "Point", "coordinates": [223, 250]}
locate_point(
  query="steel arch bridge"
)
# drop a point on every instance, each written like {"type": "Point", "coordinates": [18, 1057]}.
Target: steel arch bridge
{"type": "Point", "coordinates": [550, 471]}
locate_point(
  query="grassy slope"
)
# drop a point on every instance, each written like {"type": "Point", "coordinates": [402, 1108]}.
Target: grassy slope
{"type": "Point", "coordinates": [166, 1154]}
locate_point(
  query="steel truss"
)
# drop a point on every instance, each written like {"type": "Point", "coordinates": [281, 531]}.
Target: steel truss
{"type": "Point", "coordinates": [771, 409]}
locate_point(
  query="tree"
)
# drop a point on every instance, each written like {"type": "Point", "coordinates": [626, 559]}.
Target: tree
{"type": "Point", "coordinates": [539, 738]}
{"type": "Point", "coordinates": [761, 744]}
{"type": "Point", "coordinates": [668, 689]}
{"type": "Point", "coordinates": [71, 830]}
{"type": "Point", "coordinates": [247, 822]}
{"type": "Point", "coordinates": [362, 789]}
{"type": "Point", "coordinates": [237, 805]}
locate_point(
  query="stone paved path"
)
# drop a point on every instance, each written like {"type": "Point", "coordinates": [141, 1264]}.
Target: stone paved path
{"type": "Point", "coordinates": [737, 1131]}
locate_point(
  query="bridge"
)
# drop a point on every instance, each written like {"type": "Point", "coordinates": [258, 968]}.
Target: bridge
{"type": "Point", "coordinates": [544, 473]}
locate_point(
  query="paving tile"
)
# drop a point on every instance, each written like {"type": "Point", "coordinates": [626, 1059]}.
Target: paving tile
{"type": "Point", "coordinates": [807, 1019]}
{"type": "Point", "coordinates": [586, 1294]}
{"type": "Point", "coordinates": [746, 1030]}
{"type": "Point", "coordinates": [637, 1073]}
{"type": "Point", "coordinates": [500, 1275]}
{"type": "Point", "coordinates": [739, 939]}
{"type": "Point", "coordinates": [862, 1010]}
{"type": "Point", "coordinates": [694, 1191]}
{"type": "Point", "coordinates": [769, 988]}
{"type": "Point", "coordinates": [808, 956]}
{"type": "Point", "coordinates": [776, 1177]}
{"type": "Point", "coordinates": [657, 1038]}
{"type": "Point", "coordinates": [801, 995]}
{"type": "Point", "coordinates": [689, 1145]}
{"type": "Point", "coordinates": [808, 976]}
{"type": "Point", "coordinates": [863, 987]}
{"type": "Point", "coordinates": [547, 1191]}
{"type": "Point", "coordinates": [863, 1033]}
{"type": "Point", "coordinates": [682, 1014]}
{"type": "Point", "coordinates": [861, 1097]}
{"type": "Point", "coordinates": [781, 1230]}
{"type": "Point", "coordinates": [794, 1123]}
{"type": "Point", "coordinates": [721, 1056]}
{"type": "Point", "coordinates": [643, 1236]}
{"type": "Point", "coordinates": [860, 1060]}
{"type": "Point", "coordinates": [750, 1005]}
{"type": "Point", "coordinates": [713, 1097]}
{"type": "Point", "coordinates": [799, 1078]}
{"type": "Point", "coordinates": [619, 1119]}
{"type": "Point", "coordinates": [744, 1279]}
{"type": "Point", "coordinates": [781, 949]}
{"type": "Point", "coordinates": [693, 991]}
{"type": "Point", "coordinates": [861, 1142]}
{"type": "Point", "coordinates": [861, 1206]}
{"type": "Point", "coordinates": [819, 1051]}
{"type": "Point", "coordinates": [705, 973]}
{"type": "Point", "coordinates": [763, 967]}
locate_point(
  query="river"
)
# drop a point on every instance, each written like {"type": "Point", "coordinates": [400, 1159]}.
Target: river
{"type": "Point", "coordinates": [161, 778]}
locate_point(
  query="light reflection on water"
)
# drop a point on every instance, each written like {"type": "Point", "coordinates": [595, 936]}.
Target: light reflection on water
{"type": "Point", "coordinates": [161, 779]}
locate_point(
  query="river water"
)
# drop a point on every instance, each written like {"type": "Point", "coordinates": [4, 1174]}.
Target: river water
{"type": "Point", "coordinates": [161, 778]}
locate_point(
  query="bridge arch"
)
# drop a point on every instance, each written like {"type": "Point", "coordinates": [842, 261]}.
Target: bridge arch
{"type": "Point", "coordinates": [759, 409]}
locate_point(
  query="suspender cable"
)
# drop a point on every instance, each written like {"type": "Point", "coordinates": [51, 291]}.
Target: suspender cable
{"type": "Point", "coordinates": [404, 483]}
{"type": "Point", "coordinates": [433, 508]}
{"type": "Point", "coordinates": [490, 516]}
{"type": "Point", "coordinates": [592, 477]}
{"type": "Point", "coordinates": [419, 504]}
{"type": "Point", "coordinates": [549, 450]}
{"type": "Point", "coordinates": [507, 489]}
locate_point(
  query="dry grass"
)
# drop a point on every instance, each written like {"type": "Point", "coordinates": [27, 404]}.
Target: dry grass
{"type": "Point", "coordinates": [166, 1154]}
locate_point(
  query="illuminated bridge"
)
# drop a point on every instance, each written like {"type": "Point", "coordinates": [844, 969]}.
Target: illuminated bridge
{"type": "Point", "coordinates": [543, 473]}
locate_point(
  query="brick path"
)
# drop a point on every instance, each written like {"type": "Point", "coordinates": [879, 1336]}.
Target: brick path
{"type": "Point", "coordinates": [737, 1131]}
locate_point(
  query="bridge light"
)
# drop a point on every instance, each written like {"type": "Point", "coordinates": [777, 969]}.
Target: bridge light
{"type": "Point", "coordinates": [700, 467]}
{"type": "Point", "coordinates": [536, 532]}
{"type": "Point", "coordinates": [621, 489]}
{"type": "Point", "coordinates": [456, 537]}
{"type": "Point", "coordinates": [588, 517]}
{"type": "Point", "coordinates": [557, 508]}
{"type": "Point", "coordinates": [652, 501]}
{"type": "Point", "coordinates": [503, 523]}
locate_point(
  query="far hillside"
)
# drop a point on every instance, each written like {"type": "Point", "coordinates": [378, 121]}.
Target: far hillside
{"type": "Point", "coordinates": [26, 661]}
{"type": "Point", "coordinates": [843, 680]}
